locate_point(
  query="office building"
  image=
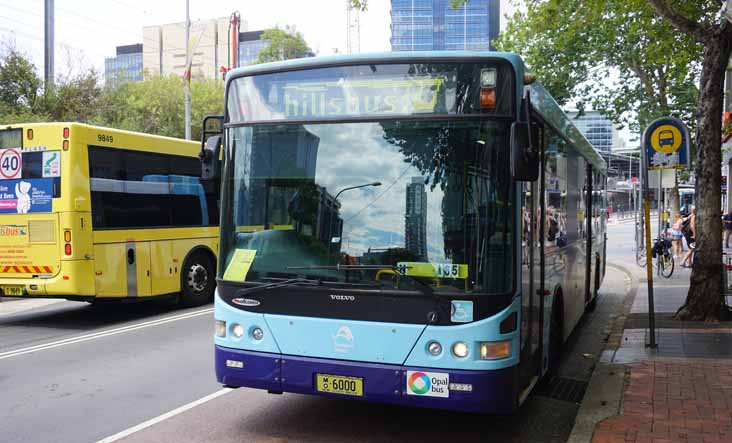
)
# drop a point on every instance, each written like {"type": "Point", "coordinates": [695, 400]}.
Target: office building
{"type": "Point", "coordinates": [162, 51]}
{"type": "Point", "coordinates": [415, 218]}
{"type": "Point", "coordinates": [125, 66]}
{"type": "Point", "coordinates": [430, 25]}
{"type": "Point", "coordinates": [599, 130]}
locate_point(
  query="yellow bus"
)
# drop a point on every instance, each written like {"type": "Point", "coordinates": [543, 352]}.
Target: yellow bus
{"type": "Point", "coordinates": [91, 213]}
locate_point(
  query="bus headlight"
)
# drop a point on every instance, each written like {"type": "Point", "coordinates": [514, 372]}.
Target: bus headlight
{"type": "Point", "coordinates": [460, 349]}
{"type": "Point", "coordinates": [220, 328]}
{"type": "Point", "coordinates": [494, 350]}
{"type": "Point", "coordinates": [257, 334]}
{"type": "Point", "coordinates": [434, 348]}
{"type": "Point", "coordinates": [237, 330]}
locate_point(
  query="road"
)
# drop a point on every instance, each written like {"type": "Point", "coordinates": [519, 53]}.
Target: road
{"type": "Point", "coordinates": [73, 373]}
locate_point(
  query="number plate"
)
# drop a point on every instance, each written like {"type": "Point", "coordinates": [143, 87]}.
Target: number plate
{"type": "Point", "coordinates": [12, 290]}
{"type": "Point", "coordinates": [335, 384]}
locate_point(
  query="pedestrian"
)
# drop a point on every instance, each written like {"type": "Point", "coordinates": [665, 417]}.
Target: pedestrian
{"type": "Point", "coordinates": [688, 229]}
{"type": "Point", "coordinates": [727, 227]}
{"type": "Point", "coordinates": [676, 236]}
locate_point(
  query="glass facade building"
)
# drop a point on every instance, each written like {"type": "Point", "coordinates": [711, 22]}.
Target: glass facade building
{"type": "Point", "coordinates": [125, 66]}
{"type": "Point", "coordinates": [429, 25]}
{"type": "Point", "coordinates": [597, 129]}
{"type": "Point", "coordinates": [249, 47]}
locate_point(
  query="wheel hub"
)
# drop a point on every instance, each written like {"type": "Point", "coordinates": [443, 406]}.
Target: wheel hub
{"type": "Point", "coordinates": [197, 278]}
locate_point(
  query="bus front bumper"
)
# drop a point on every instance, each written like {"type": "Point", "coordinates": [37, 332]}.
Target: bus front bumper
{"type": "Point", "coordinates": [493, 392]}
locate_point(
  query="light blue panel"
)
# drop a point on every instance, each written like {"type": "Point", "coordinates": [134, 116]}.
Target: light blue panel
{"type": "Point", "coordinates": [344, 339]}
{"type": "Point", "coordinates": [471, 333]}
{"type": "Point", "coordinates": [249, 320]}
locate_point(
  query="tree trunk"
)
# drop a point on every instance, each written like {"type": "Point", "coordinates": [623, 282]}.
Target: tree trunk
{"type": "Point", "coordinates": [704, 300]}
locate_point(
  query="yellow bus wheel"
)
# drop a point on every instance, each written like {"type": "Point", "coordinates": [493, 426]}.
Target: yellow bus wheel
{"type": "Point", "coordinates": [197, 280]}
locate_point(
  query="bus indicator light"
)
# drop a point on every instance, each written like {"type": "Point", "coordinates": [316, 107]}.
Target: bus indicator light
{"type": "Point", "coordinates": [495, 350]}
{"type": "Point", "coordinates": [67, 236]}
{"type": "Point", "coordinates": [220, 328]}
{"type": "Point", "coordinates": [65, 145]}
{"type": "Point", "coordinates": [29, 134]}
{"type": "Point", "coordinates": [487, 98]}
{"type": "Point", "coordinates": [66, 132]}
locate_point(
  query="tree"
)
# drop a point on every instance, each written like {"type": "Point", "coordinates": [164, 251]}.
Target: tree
{"type": "Point", "coordinates": [20, 86]}
{"type": "Point", "coordinates": [155, 105]}
{"type": "Point", "coordinates": [284, 44]}
{"type": "Point", "coordinates": [703, 22]}
{"type": "Point", "coordinates": [576, 46]}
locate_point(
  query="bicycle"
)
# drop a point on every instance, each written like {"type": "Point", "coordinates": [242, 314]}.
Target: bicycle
{"type": "Point", "coordinates": [661, 253]}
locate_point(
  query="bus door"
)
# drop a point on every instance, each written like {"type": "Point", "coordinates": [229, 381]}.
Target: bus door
{"type": "Point", "coordinates": [137, 262]}
{"type": "Point", "coordinates": [530, 274]}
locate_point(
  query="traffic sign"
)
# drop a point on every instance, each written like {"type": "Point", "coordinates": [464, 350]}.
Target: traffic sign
{"type": "Point", "coordinates": [11, 164]}
{"type": "Point", "coordinates": [666, 144]}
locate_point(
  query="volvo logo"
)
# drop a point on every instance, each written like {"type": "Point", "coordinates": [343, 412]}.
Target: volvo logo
{"type": "Point", "coordinates": [342, 297]}
{"type": "Point", "coordinates": [245, 302]}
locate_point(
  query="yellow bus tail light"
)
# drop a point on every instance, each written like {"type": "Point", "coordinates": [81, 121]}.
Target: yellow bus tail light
{"type": "Point", "coordinates": [67, 249]}
{"type": "Point", "coordinates": [66, 132]}
{"type": "Point", "coordinates": [67, 236]}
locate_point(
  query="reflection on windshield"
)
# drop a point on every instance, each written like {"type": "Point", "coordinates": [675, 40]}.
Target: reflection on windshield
{"type": "Point", "coordinates": [432, 200]}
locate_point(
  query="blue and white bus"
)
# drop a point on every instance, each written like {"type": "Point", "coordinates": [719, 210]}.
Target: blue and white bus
{"type": "Point", "coordinates": [424, 229]}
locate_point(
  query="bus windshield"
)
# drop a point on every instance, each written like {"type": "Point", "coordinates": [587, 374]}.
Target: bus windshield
{"type": "Point", "coordinates": [370, 203]}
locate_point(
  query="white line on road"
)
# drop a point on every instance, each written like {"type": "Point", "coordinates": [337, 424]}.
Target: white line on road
{"type": "Point", "coordinates": [107, 333]}
{"type": "Point", "coordinates": [167, 415]}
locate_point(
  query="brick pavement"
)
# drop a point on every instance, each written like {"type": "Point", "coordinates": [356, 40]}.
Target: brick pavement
{"type": "Point", "coordinates": [673, 402]}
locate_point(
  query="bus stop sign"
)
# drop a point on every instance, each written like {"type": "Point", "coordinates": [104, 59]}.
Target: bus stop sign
{"type": "Point", "coordinates": [666, 142]}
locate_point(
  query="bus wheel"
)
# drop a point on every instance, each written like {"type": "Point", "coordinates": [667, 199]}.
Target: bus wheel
{"type": "Point", "coordinates": [197, 280]}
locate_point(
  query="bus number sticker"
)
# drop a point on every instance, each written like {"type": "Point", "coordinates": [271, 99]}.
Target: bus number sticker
{"type": "Point", "coordinates": [51, 164]}
{"type": "Point", "coordinates": [11, 164]}
{"type": "Point", "coordinates": [433, 270]}
{"type": "Point", "coordinates": [239, 264]}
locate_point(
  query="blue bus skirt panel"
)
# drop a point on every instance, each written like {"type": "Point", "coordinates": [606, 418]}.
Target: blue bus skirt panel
{"type": "Point", "coordinates": [493, 391]}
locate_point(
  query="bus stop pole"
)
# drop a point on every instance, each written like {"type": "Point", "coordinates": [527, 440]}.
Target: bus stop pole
{"type": "Point", "coordinates": [649, 253]}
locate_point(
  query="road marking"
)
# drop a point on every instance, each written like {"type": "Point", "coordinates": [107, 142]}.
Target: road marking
{"type": "Point", "coordinates": [107, 333]}
{"type": "Point", "coordinates": [153, 421]}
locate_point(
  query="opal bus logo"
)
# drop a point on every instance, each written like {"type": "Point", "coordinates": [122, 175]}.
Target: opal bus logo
{"type": "Point", "coordinates": [343, 339]}
{"type": "Point", "coordinates": [428, 384]}
{"type": "Point", "coordinates": [419, 383]}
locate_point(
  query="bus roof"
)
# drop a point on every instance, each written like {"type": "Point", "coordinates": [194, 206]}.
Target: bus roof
{"type": "Point", "coordinates": [543, 103]}
{"type": "Point", "coordinates": [105, 128]}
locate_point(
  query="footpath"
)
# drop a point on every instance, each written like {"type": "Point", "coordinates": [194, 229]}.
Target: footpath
{"type": "Point", "coordinates": [679, 392]}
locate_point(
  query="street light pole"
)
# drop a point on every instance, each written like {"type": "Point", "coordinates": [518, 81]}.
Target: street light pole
{"type": "Point", "coordinates": [335, 200]}
{"type": "Point", "coordinates": [188, 73]}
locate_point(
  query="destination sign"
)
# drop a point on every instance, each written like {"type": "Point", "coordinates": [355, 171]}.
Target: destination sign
{"type": "Point", "coordinates": [366, 91]}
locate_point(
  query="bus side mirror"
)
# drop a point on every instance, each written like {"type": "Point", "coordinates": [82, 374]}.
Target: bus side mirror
{"type": "Point", "coordinates": [524, 153]}
{"type": "Point", "coordinates": [210, 155]}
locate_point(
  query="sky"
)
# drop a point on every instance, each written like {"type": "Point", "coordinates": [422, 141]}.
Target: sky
{"type": "Point", "coordinates": [89, 30]}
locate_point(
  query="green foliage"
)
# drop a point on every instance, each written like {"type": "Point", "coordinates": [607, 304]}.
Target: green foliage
{"type": "Point", "coordinates": [284, 44]}
{"type": "Point", "coordinates": [157, 106]}
{"type": "Point", "coordinates": [20, 87]}
{"type": "Point", "coordinates": [154, 106]}
{"type": "Point", "coordinates": [576, 46]}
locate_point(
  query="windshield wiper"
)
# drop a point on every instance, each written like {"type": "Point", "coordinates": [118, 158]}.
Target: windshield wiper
{"type": "Point", "coordinates": [279, 284]}
{"type": "Point", "coordinates": [426, 289]}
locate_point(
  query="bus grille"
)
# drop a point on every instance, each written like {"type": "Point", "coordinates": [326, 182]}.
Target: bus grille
{"type": "Point", "coordinates": [41, 231]}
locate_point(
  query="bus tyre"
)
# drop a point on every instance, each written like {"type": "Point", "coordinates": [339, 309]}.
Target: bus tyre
{"type": "Point", "coordinates": [197, 280]}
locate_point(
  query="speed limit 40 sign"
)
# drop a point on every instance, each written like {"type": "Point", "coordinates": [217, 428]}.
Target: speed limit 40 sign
{"type": "Point", "coordinates": [11, 164]}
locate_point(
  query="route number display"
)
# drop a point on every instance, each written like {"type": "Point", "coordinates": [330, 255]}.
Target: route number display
{"type": "Point", "coordinates": [11, 164]}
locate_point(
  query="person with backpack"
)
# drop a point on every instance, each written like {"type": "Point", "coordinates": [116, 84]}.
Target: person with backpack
{"type": "Point", "coordinates": [688, 229]}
